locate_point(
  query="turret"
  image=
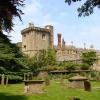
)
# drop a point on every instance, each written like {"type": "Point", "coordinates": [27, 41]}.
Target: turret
{"type": "Point", "coordinates": [51, 34]}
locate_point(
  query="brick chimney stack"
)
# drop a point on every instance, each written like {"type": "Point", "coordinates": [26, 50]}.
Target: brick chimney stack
{"type": "Point", "coordinates": [59, 40]}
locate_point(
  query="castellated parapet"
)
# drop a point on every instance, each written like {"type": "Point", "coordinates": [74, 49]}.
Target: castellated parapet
{"type": "Point", "coordinates": [36, 38]}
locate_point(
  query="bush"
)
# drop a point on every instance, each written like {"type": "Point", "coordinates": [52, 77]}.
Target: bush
{"type": "Point", "coordinates": [70, 66]}
{"type": "Point", "coordinates": [84, 66]}
{"type": "Point", "coordinates": [14, 79]}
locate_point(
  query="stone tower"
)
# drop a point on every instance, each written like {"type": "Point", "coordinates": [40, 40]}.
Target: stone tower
{"type": "Point", "coordinates": [36, 38]}
{"type": "Point", "coordinates": [51, 34]}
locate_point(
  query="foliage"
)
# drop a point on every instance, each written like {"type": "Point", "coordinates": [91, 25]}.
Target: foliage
{"type": "Point", "coordinates": [51, 68]}
{"type": "Point", "coordinates": [89, 57]}
{"type": "Point", "coordinates": [93, 73]}
{"type": "Point", "coordinates": [84, 66]}
{"type": "Point", "coordinates": [42, 60]}
{"type": "Point", "coordinates": [37, 61]}
{"type": "Point", "coordinates": [51, 56]}
{"type": "Point", "coordinates": [70, 66]}
{"type": "Point", "coordinates": [12, 60]}
{"type": "Point", "coordinates": [73, 66]}
{"type": "Point", "coordinates": [87, 8]}
{"type": "Point", "coordinates": [15, 77]}
{"type": "Point", "coordinates": [8, 10]}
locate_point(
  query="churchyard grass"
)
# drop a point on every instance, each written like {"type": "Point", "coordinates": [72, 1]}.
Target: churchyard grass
{"type": "Point", "coordinates": [53, 92]}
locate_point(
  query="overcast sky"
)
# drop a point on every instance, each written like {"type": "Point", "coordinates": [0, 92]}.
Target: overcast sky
{"type": "Point", "coordinates": [65, 20]}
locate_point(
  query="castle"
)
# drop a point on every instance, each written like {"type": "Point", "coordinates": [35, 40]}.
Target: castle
{"type": "Point", "coordinates": [35, 39]}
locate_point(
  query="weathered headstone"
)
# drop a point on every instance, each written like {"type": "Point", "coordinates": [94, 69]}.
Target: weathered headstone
{"type": "Point", "coordinates": [47, 81]}
{"type": "Point", "coordinates": [2, 79]}
{"type": "Point", "coordinates": [77, 82]}
{"type": "Point", "coordinates": [44, 76]}
{"type": "Point", "coordinates": [87, 86]}
{"type": "Point", "coordinates": [34, 86]}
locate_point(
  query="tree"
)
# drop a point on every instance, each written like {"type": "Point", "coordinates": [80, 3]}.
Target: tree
{"type": "Point", "coordinates": [11, 59]}
{"type": "Point", "coordinates": [87, 8]}
{"type": "Point", "coordinates": [89, 58]}
{"type": "Point", "coordinates": [8, 10]}
{"type": "Point", "coordinates": [51, 56]}
{"type": "Point", "coordinates": [43, 60]}
{"type": "Point", "coordinates": [10, 56]}
{"type": "Point", "coordinates": [70, 65]}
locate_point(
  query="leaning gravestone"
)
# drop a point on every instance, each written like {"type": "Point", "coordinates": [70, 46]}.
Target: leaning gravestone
{"type": "Point", "coordinates": [87, 86]}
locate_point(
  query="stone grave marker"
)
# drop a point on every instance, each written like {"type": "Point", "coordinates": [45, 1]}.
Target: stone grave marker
{"type": "Point", "coordinates": [87, 86]}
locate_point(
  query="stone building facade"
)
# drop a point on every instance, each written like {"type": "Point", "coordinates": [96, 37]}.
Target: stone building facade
{"type": "Point", "coordinates": [35, 39]}
{"type": "Point", "coordinates": [71, 53]}
{"type": "Point", "coordinates": [68, 52]}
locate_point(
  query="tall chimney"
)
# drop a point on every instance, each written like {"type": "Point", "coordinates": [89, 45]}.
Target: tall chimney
{"type": "Point", "coordinates": [63, 43]}
{"type": "Point", "coordinates": [59, 40]}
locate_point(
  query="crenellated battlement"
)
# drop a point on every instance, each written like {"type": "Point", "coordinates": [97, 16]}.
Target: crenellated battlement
{"type": "Point", "coordinates": [26, 30]}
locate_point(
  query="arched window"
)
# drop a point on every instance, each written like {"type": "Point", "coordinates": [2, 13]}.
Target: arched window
{"type": "Point", "coordinates": [43, 36]}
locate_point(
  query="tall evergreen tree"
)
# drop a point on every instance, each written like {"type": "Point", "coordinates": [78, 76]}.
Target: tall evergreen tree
{"type": "Point", "coordinates": [8, 10]}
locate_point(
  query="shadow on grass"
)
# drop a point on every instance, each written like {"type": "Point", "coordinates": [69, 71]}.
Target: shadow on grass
{"type": "Point", "coordinates": [6, 96]}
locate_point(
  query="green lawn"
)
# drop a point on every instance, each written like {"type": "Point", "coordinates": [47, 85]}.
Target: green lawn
{"type": "Point", "coordinates": [53, 92]}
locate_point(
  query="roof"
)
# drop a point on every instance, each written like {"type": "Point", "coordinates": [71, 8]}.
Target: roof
{"type": "Point", "coordinates": [78, 78]}
{"type": "Point", "coordinates": [67, 71]}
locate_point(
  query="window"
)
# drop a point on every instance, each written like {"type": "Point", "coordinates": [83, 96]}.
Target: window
{"type": "Point", "coordinates": [24, 46]}
{"type": "Point", "coordinates": [43, 36]}
{"type": "Point", "coordinates": [24, 35]}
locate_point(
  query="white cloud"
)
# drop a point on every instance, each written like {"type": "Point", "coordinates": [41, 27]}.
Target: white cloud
{"type": "Point", "coordinates": [32, 7]}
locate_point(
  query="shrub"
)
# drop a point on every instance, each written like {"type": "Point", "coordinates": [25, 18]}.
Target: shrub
{"type": "Point", "coordinates": [84, 66]}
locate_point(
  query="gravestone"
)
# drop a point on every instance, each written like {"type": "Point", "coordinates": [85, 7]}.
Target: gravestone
{"type": "Point", "coordinates": [4, 79]}
{"type": "Point", "coordinates": [44, 76]}
{"type": "Point", "coordinates": [87, 86]}
{"type": "Point", "coordinates": [77, 81]}
{"type": "Point", "coordinates": [47, 80]}
{"type": "Point", "coordinates": [34, 86]}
